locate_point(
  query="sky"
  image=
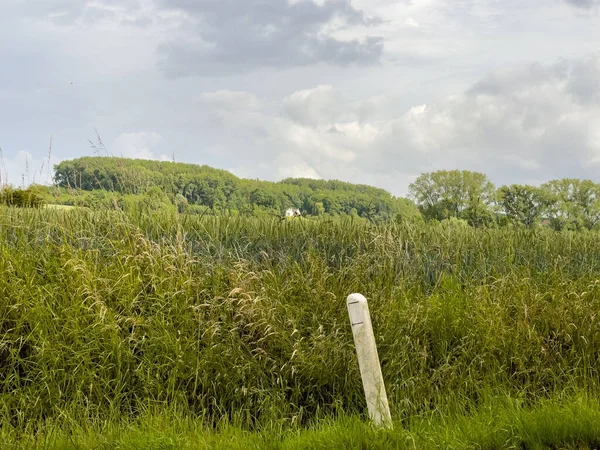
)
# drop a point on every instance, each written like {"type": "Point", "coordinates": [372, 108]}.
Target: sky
{"type": "Point", "coordinates": [366, 91]}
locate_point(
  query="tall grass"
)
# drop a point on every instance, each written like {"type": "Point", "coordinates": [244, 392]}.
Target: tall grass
{"type": "Point", "coordinates": [565, 423]}
{"type": "Point", "coordinates": [106, 318]}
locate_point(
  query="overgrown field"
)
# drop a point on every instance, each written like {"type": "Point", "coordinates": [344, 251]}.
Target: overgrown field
{"type": "Point", "coordinates": [234, 332]}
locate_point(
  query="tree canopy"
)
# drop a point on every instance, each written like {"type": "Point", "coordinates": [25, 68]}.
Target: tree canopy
{"type": "Point", "coordinates": [459, 194]}
{"type": "Point", "coordinates": [191, 186]}
{"type": "Point", "coordinates": [524, 204]}
{"type": "Point", "coordinates": [455, 195]}
{"type": "Point", "coordinates": [564, 204]}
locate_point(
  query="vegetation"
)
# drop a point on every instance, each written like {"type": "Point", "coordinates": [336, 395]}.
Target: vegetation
{"type": "Point", "coordinates": [525, 205]}
{"type": "Point", "coordinates": [22, 198]}
{"type": "Point", "coordinates": [566, 422]}
{"type": "Point", "coordinates": [460, 194]}
{"type": "Point", "coordinates": [168, 305]}
{"type": "Point", "coordinates": [567, 204]}
{"type": "Point", "coordinates": [213, 329]}
{"type": "Point", "coordinates": [117, 183]}
{"type": "Point", "coordinates": [191, 187]}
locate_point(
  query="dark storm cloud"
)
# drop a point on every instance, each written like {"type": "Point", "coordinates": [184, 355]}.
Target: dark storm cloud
{"type": "Point", "coordinates": [227, 36]}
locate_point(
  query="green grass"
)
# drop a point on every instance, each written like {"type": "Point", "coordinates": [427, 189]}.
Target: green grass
{"type": "Point", "coordinates": [60, 207]}
{"type": "Point", "coordinates": [562, 422]}
{"type": "Point", "coordinates": [157, 331]}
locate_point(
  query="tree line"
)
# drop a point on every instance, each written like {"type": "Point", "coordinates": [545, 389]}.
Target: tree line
{"type": "Point", "coordinates": [455, 195]}
{"type": "Point", "coordinates": [192, 188]}
{"type": "Point", "coordinates": [565, 204]}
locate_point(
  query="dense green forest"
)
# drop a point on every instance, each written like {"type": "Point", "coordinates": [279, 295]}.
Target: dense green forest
{"type": "Point", "coordinates": [194, 188]}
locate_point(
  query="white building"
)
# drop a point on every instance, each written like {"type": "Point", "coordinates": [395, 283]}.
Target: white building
{"type": "Point", "coordinates": [293, 212]}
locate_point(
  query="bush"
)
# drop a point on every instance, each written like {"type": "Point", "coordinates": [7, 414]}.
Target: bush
{"type": "Point", "coordinates": [22, 198]}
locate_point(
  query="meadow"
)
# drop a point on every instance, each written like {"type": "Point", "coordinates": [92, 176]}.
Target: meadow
{"type": "Point", "coordinates": [174, 331]}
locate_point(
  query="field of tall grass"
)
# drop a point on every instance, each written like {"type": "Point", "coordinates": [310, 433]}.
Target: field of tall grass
{"type": "Point", "coordinates": [232, 332]}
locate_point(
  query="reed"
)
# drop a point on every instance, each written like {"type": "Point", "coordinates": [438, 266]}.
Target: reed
{"type": "Point", "coordinates": [109, 319]}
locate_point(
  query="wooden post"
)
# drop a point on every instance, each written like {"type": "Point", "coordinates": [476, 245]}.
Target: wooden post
{"type": "Point", "coordinates": [368, 360]}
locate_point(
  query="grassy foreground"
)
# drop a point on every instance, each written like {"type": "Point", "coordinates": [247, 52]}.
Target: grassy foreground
{"type": "Point", "coordinates": [566, 422]}
{"type": "Point", "coordinates": [208, 332]}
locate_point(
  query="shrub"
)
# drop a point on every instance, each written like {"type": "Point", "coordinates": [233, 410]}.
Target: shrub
{"type": "Point", "coordinates": [22, 198]}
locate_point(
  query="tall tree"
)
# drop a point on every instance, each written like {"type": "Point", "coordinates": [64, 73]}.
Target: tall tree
{"type": "Point", "coordinates": [574, 203]}
{"type": "Point", "coordinates": [523, 204]}
{"type": "Point", "coordinates": [454, 193]}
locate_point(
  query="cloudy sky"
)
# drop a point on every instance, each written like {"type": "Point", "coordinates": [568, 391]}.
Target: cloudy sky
{"type": "Point", "coordinates": [371, 91]}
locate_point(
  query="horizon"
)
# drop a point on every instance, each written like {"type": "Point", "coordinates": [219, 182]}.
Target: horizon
{"type": "Point", "coordinates": [368, 92]}
{"type": "Point", "coordinates": [406, 196]}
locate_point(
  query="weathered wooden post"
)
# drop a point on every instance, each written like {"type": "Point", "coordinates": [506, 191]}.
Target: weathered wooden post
{"type": "Point", "coordinates": [368, 360]}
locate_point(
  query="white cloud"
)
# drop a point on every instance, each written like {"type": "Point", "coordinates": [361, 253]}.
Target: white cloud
{"type": "Point", "coordinates": [136, 145]}
{"type": "Point", "coordinates": [290, 167]}
{"type": "Point", "coordinates": [411, 22]}
{"type": "Point", "coordinates": [312, 107]}
{"type": "Point", "coordinates": [230, 100]}
{"type": "Point", "coordinates": [24, 169]}
{"type": "Point", "coordinates": [535, 122]}
{"type": "Point", "coordinates": [307, 92]}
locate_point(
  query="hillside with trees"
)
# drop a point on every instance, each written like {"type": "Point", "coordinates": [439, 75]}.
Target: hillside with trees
{"type": "Point", "coordinates": [456, 195]}
{"type": "Point", "coordinates": [192, 188]}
